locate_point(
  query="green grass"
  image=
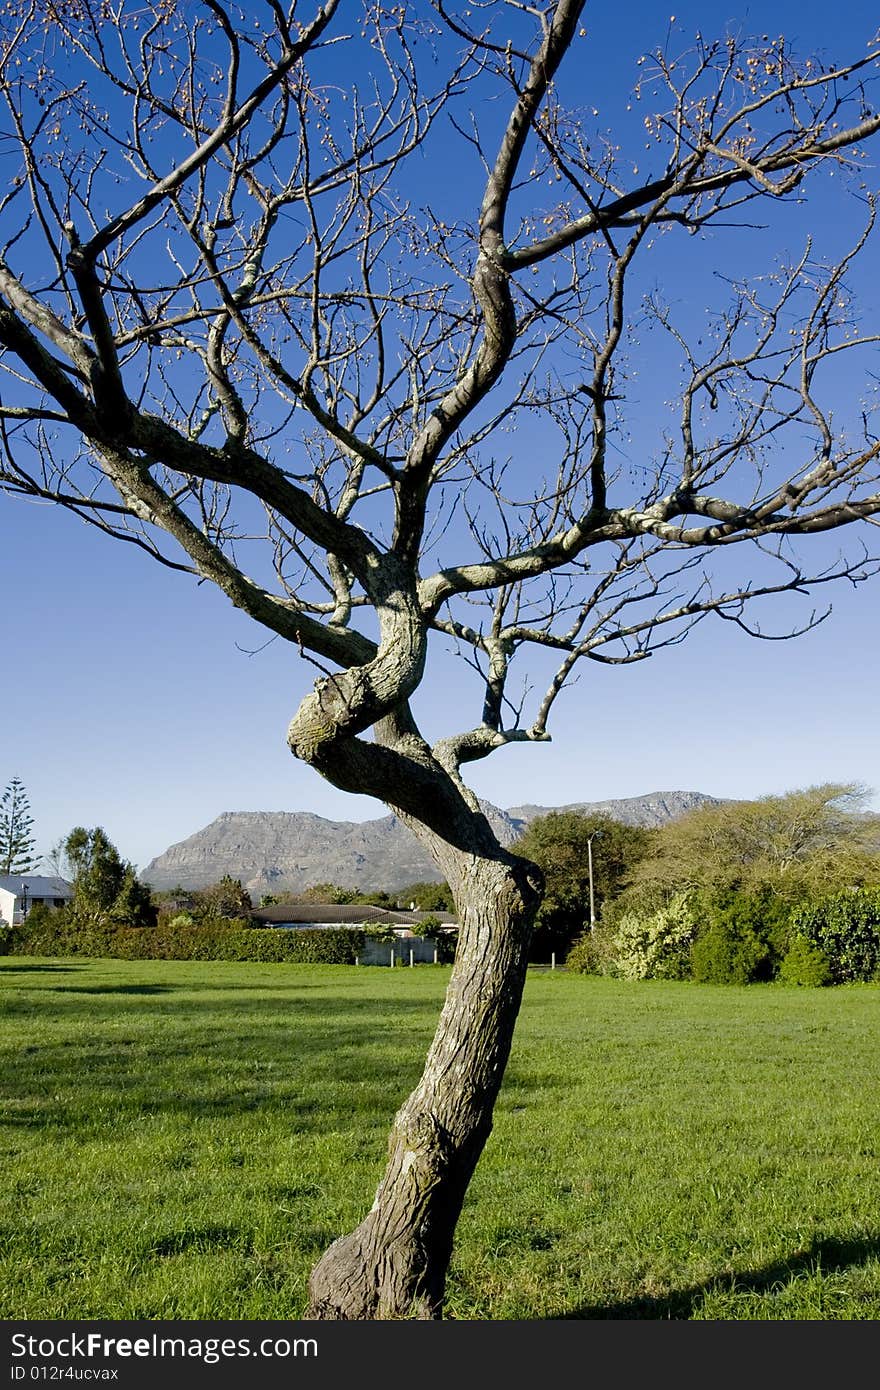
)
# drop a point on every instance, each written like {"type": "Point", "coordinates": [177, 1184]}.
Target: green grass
{"type": "Point", "coordinates": [182, 1141]}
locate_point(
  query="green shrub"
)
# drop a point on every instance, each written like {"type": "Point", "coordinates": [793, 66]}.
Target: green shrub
{"type": "Point", "coordinates": [741, 937]}
{"type": "Point", "coordinates": [583, 958]}
{"type": "Point", "coordinates": [727, 954]}
{"type": "Point", "coordinates": [593, 952]}
{"type": "Point", "coordinates": [655, 946]}
{"type": "Point", "coordinates": [58, 934]}
{"type": "Point", "coordinates": [846, 926]}
{"type": "Point", "coordinates": [652, 944]}
{"type": "Point", "coordinates": [432, 929]}
{"type": "Point", "coordinates": [383, 932]}
{"type": "Point", "coordinates": [804, 964]}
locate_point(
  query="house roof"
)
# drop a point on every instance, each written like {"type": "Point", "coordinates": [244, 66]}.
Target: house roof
{"type": "Point", "coordinates": [36, 886]}
{"type": "Point", "coordinates": [344, 915]}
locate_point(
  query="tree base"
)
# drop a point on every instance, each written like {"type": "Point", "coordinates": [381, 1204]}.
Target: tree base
{"type": "Point", "coordinates": [356, 1282]}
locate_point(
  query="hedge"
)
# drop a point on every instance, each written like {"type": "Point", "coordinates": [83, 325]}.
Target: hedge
{"type": "Point", "coordinates": [48, 937]}
{"type": "Point", "coordinates": [846, 927]}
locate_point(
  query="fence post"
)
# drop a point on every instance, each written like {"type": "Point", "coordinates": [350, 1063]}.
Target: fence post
{"type": "Point", "coordinates": [552, 960]}
{"type": "Point", "coordinates": [392, 957]}
{"type": "Point", "coordinates": [435, 955]}
{"type": "Point", "coordinates": [411, 958]}
{"type": "Point", "coordinates": [357, 960]}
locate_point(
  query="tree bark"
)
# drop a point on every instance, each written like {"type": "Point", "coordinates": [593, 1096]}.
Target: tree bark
{"type": "Point", "coordinates": [394, 1264]}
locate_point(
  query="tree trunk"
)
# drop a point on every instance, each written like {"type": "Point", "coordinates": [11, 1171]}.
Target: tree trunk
{"type": "Point", "coordinates": [394, 1264]}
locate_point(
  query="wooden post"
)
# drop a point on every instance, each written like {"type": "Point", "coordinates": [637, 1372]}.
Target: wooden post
{"type": "Point", "coordinates": [552, 960]}
{"type": "Point", "coordinates": [357, 960]}
{"type": "Point", "coordinates": [435, 955]}
{"type": "Point", "coordinates": [392, 957]}
{"type": "Point", "coordinates": [411, 958]}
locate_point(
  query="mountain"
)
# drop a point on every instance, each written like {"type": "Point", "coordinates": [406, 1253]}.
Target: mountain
{"type": "Point", "coordinates": [289, 850]}
{"type": "Point", "coordinates": [650, 811]}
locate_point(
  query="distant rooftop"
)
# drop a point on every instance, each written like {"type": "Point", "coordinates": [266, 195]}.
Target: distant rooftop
{"type": "Point", "coordinates": [345, 915]}
{"type": "Point", "coordinates": [36, 886]}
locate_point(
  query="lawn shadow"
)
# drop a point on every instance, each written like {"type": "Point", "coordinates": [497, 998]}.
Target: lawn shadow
{"type": "Point", "coordinates": [204, 1069]}
{"type": "Point", "coordinates": [240, 987]}
{"type": "Point", "coordinates": [201, 1238]}
{"type": "Point", "coordinates": [32, 969]}
{"type": "Point", "coordinates": [834, 1254]}
{"type": "Point", "coordinates": [107, 989]}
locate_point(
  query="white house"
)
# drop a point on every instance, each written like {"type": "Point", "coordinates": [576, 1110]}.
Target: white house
{"type": "Point", "coordinates": [406, 946]}
{"type": "Point", "coordinates": [20, 892]}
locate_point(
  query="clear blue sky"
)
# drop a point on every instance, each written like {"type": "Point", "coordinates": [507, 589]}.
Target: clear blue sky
{"type": "Point", "coordinates": [127, 700]}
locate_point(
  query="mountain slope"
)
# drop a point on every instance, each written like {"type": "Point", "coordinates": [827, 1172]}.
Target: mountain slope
{"type": "Point", "coordinates": [290, 850]}
{"type": "Point", "coordinates": [650, 811]}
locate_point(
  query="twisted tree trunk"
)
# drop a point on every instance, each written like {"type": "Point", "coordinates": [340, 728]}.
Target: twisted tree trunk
{"type": "Point", "coordinates": [394, 1264]}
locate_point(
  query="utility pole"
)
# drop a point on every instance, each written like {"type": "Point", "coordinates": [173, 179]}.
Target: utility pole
{"type": "Point", "coordinates": [590, 870]}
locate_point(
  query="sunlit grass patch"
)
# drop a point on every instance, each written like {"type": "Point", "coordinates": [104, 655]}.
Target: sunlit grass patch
{"type": "Point", "coordinates": [182, 1140]}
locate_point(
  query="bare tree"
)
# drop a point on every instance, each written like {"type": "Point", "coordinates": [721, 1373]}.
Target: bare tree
{"type": "Point", "coordinates": [230, 312]}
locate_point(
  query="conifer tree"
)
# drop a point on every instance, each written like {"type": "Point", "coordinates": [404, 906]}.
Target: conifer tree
{"type": "Point", "coordinates": [17, 843]}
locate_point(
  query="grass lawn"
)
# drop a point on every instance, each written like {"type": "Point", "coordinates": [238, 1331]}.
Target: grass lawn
{"type": "Point", "coordinates": [182, 1140]}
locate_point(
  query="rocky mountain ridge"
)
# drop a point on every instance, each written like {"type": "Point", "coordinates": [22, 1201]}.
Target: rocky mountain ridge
{"type": "Point", "coordinates": [272, 851]}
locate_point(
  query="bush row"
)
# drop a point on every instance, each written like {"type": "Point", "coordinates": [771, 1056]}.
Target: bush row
{"type": "Point", "coordinates": [740, 938]}
{"type": "Point", "coordinates": [47, 933]}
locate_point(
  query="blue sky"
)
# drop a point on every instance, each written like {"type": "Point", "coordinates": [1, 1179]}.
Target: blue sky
{"type": "Point", "coordinates": [136, 700]}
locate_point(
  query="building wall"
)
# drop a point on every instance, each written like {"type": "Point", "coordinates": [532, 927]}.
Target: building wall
{"type": "Point", "coordinates": [379, 952]}
{"type": "Point", "coordinates": [11, 906]}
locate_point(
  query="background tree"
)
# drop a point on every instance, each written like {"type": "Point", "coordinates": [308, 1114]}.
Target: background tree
{"type": "Point", "coordinates": [226, 898]}
{"type": "Point", "coordinates": [17, 843]}
{"type": "Point", "coordinates": [226, 312]}
{"type": "Point", "coordinates": [105, 886]}
{"type": "Point", "coordinates": [560, 844]}
{"type": "Point", "coordinates": [133, 905]}
{"type": "Point", "coordinates": [428, 897]}
{"type": "Point", "coordinates": [327, 893]}
{"type": "Point", "coordinates": [791, 846]}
